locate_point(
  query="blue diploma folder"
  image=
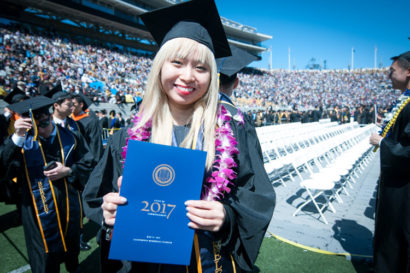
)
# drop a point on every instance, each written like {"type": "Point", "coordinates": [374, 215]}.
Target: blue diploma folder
{"type": "Point", "coordinates": [157, 180]}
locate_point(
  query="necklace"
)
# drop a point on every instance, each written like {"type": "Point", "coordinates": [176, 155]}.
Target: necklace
{"type": "Point", "coordinates": [221, 179]}
{"type": "Point", "coordinates": [391, 118]}
{"type": "Point", "coordinates": [388, 124]}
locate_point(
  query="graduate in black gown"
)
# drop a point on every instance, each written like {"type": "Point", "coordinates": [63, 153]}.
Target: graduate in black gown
{"type": "Point", "coordinates": [50, 197]}
{"type": "Point", "coordinates": [88, 123]}
{"type": "Point", "coordinates": [392, 223]}
{"type": "Point", "coordinates": [8, 188]}
{"type": "Point", "coordinates": [62, 109]}
{"type": "Point", "coordinates": [229, 67]}
{"type": "Point", "coordinates": [180, 108]}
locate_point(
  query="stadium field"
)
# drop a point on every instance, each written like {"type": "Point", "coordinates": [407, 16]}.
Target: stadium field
{"type": "Point", "coordinates": [275, 256]}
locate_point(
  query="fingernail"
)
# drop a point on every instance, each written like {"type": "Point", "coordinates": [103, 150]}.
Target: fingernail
{"type": "Point", "coordinates": [123, 199]}
{"type": "Point", "coordinates": [188, 214]}
{"type": "Point", "coordinates": [188, 208]}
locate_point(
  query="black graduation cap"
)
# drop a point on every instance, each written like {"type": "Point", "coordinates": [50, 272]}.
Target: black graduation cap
{"type": "Point", "coordinates": [43, 89]}
{"type": "Point", "coordinates": [15, 96]}
{"type": "Point", "coordinates": [197, 20]}
{"type": "Point", "coordinates": [32, 104]}
{"type": "Point", "coordinates": [233, 64]}
{"type": "Point", "coordinates": [56, 93]}
{"type": "Point", "coordinates": [405, 55]}
{"type": "Point", "coordinates": [87, 102]}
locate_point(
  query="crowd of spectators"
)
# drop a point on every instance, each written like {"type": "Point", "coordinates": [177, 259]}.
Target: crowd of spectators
{"type": "Point", "coordinates": [32, 58]}
{"type": "Point", "coordinates": [362, 115]}
{"type": "Point", "coordinates": [105, 75]}
{"type": "Point", "coordinates": [286, 90]}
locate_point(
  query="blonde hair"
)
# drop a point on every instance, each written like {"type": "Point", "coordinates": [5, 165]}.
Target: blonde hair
{"type": "Point", "coordinates": [155, 104]}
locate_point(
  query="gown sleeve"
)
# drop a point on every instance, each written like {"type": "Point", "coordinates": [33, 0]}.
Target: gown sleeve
{"type": "Point", "coordinates": [93, 133]}
{"type": "Point", "coordinates": [103, 178]}
{"type": "Point", "coordinates": [251, 203]}
{"type": "Point", "coordinates": [83, 162]}
{"type": "Point", "coordinates": [395, 149]}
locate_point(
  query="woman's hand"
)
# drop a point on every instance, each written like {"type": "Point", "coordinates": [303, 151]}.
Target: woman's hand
{"type": "Point", "coordinates": [206, 215]}
{"type": "Point", "coordinates": [110, 204]}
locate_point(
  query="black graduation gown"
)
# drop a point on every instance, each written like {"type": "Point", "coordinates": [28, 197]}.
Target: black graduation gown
{"type": "Point", "coordinates": [11, 159]}
{"type": "Point", "coordinates": [4, 124]}
{"type": "Point", "coordinates": [392, 223]}
{"type": "Point", "coordinates": [91, 130]}
{"type": "Point", "coordinates": [8, 189]}
{"type": "Point", "coordinates": [104, 122]}
{"type": "Point", "coordinates": [249, 207]}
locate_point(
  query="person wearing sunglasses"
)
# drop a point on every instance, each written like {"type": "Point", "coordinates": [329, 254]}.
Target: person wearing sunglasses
{"type": "Point", "coordinates": [50, 162]}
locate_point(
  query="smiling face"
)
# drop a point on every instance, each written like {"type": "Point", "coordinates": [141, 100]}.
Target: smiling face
{"type": "Point", "coordinates": [185, 79]}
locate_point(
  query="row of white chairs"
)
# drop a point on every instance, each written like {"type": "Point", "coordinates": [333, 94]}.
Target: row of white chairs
{"type": "Point", "coordinates": [334, 169]}
{"type": "Point", "coordinates": [283, 156]}
{"type": "Point", "coordinates": [273, 133]}
{"type": "Point", "coordinates": [327, 159]}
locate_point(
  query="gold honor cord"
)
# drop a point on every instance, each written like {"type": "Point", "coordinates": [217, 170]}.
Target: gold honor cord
{"type": "Point", "coordinates": [34, 203]}
{"type": "Point", "coordinates": [233, 264]}
{"type": "Point", "coordinates": [65, 183]}
{"type": "Point", "coordinates": [197, 254]}
{"type": "Point", "coordinates": [81, 210]}
{"type": "Point", "coordinates": [33, 121]}
{"type": "Point", "coordinates": [55, 200]}
{"type": "Point", "coordinates": [392, 122]}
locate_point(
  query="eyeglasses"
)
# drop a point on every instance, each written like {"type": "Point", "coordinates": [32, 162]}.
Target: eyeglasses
{"type": "Point", "coordinates": [44, 123]}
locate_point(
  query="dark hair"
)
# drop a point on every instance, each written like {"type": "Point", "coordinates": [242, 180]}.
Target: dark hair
{"type": "Point", "coordinates": [80, 100]}
{"type": "Point", "coordinates": [402, 62]}
{"type": "Point", "coordinates": [112, 112]}
{"type": "Point", "coordinates": [103, 111]}
{"type": "Point", "coordinates": [61, 99]}
{"type": "Point", "coordinates": [225, 80]}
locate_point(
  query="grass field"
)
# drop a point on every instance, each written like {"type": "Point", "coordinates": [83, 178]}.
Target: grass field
{"type": "Point", "coordinates": [275, 256]}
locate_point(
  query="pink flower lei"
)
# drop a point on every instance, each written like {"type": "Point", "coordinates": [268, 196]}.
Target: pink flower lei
{"type": "Point", "coordinates": [221, 179]}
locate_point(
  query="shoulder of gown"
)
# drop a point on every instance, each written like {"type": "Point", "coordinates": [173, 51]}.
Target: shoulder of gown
{"type": "Point", "coordinates": [252, 200]}
{"type": "Point", "coordinates": [103, 179]}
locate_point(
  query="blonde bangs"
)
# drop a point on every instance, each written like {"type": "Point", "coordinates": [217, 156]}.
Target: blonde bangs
{"type": "Point", "coordinates": [182, 47]}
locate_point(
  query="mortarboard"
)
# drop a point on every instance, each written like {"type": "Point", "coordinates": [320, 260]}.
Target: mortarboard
{"type": "Point", "coordinates": [405, 55]}
{"type": "Point", "coordinates": [197, 20]}
{"type": "Point", "coordinates": [43, 89]}
{"type": "Point", "coordinates": [15, 96]}
{"type": "Point", "coordinates": [87, 102]}
{"type": "Point", "coordinates": [57, 93]}
{"type": "Point", "coordinates": [32, 104]}
{"type": "Point", "coordinates": [233, 64]}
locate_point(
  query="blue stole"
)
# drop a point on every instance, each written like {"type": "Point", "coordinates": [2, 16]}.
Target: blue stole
{"type": "Point", "coordinates": [224, 98]}
{"type": "Point", "coordinates": [72, 125]}
{"type": "Point", "coordinates": [42, 191]}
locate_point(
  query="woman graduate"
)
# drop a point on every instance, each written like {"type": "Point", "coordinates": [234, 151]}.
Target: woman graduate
{"type": "Point", "coordinates": [180, 107]}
